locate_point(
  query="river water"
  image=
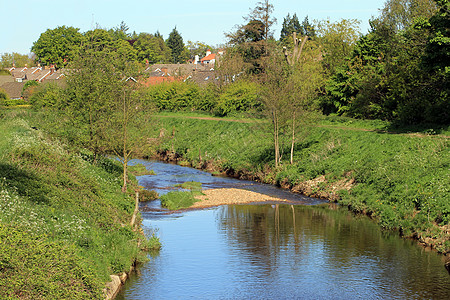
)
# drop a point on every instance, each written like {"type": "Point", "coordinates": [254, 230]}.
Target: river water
{"type": "Point", "coordinates": [313, 250]}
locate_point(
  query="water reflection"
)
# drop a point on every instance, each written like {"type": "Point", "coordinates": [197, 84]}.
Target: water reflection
{"type": "Point", "coordinates": [284, 252]}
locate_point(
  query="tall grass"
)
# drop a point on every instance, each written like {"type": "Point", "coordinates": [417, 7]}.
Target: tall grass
{"type": "Point", "coordinates": [63, 220]}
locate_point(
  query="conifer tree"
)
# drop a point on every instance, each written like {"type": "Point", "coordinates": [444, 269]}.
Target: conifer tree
{"type": "Point", "coordinates": [176, 44]}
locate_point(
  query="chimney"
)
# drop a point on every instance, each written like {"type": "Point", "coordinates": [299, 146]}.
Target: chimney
{"type": "Point", "coordinates": [208, 52]}
{"type": "Point", "coordinates": [196, 59]}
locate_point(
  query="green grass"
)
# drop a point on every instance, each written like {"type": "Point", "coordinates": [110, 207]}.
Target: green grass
{"type": "Point", "coordinates": [179, 199]}
{"type": "Point", "coordinates": [140, 170]}
{"type": "Point", "coordinates": [63, 219]}
{"type": "Point", "coordinates": [190, 185]}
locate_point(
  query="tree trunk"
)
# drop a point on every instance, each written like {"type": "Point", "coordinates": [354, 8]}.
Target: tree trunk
{"type": "Point", "coordinates": [136, 209]}
{"type": "Point", "coordinates": [125, 174]}
{"type": "Point", "coordinates": [276, 138]}
{"type": "Point", "coordinates": [293, 138]}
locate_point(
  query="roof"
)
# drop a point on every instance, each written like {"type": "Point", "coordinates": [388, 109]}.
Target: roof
{"type": "Point", "coordinates": [209, 57]}
{"type": "Point", "coordinates": [157, 80]}
{"type": "Point", "coordinates": [203, 77]}
{"type": "Point", "coordinates": [13, 89]}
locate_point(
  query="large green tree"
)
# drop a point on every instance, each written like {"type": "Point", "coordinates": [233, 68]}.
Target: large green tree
{"type": "Point", "coordinates": [176, 44]}
{"type": "Point", "coordinates": [251, 39]}
{"type": "Point", "coordinates": [392, 73]}
{"type": "Point", "coordinates": [100, 40]}
{"type": "Point", "coordinates": [337, 40]}
{"type": "Point", "coordinates": [58, 46]}
{"type": "Point", "coordinates": [151, 48]}
{"type": "Point", "coordinates": [93, 83]}
{"type": "Point", "coordinates": [290, 25]}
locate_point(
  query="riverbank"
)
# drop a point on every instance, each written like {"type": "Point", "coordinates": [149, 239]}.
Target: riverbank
{"type": "Point", "coordinates": [64, 222]}
{"type": "Point", "coordinates": [399, 180]}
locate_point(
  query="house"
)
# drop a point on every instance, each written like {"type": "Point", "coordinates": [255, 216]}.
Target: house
{"type": "Point", "coordinates": [209, 59]}
{"type": "Point", "coordinates": [13, 84]}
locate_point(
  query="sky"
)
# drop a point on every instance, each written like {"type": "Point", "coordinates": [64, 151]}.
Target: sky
{"type": "Point", "coordinates": [205, 21]}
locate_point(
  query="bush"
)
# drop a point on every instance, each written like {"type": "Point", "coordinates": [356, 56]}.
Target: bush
{"type": "Point", "coordinates": [240, 96]}
{"type": "Point", "coordinates": [47, 95]}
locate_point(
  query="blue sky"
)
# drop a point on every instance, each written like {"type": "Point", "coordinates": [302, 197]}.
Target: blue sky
{"type": "Point", "coordinates": [206, 21]}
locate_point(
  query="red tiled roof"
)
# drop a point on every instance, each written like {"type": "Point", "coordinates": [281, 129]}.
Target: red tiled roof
{"type": "Point", "coordinates": [209, 57]}
{"type": "Point", "coordinates": [157, 80]}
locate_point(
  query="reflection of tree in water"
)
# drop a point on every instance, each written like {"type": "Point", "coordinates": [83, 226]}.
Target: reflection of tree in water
{"type": "Point", "coordinates": [334, 239]}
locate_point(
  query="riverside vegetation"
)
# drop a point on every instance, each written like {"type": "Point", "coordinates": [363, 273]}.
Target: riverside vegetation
{"type": "Point", "coordinates": [64, 222]}
{"type": "Point", "coordinates": [401, 180]}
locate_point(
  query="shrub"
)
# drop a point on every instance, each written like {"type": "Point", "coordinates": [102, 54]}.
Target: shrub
{"type": "Point", "coordinates": [47, 95]}
{"type": "Point", "coordinates": [238, 97]}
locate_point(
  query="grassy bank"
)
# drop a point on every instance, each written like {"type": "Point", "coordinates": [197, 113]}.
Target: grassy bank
{"type": "Point", "coordinates": [64, 223]}
{"type": "Point", "coordinates": [398, 177]}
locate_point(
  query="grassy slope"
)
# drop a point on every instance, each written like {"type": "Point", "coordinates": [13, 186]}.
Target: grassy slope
{"type": "Point", "coordinates": [402, 180]}
{"type": "Point", "coordinates": [63, 220]}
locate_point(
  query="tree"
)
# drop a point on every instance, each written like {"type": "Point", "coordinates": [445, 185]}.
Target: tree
{"type": "Point", "coordinates": [58, 46]}
{"type": "Point", "coordinates": [9, 60]}
{"type": "Point", "coordinates": [275, 96]}
{"type": "Point", "coordinates": [398, 15]}
{"type": "Point", "coordinates": [337, 40]}
{"type": "Point", "coordinates": [100, 40]}
{"type": "Point", "coordinates": [151, 48]}
{"type": "Point", "coordinates": [389, 75]}
{"type": "Point", "coordinates": [263, 12]}
{"type": "Point", "coordinates": [120, 32]}
{"type": "Point", "coordinates": [93, 82]}
{"type": "Point", "coordinates": [251, 38]}
{"type": "Point", "coordinates": [290, 25]}
{"type": "Point", "coordinates": [175, 43]}
{"type": "Point", "coordinates": [308, 28]}
{"type": "Point", "coordinates": [130, 120]}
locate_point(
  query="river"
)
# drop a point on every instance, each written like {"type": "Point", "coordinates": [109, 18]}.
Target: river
{"type": "Point", "coordinates": [313, 250]}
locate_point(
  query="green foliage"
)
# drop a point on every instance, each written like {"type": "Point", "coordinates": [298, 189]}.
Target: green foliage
{"type": "Point", "coordinates": [139, 170]}
{"type": "Point", "coordinates": [241, 96]}
{"type": "Point", "coordinates": [46, 95]}
{"type": "Point", "coordinates": [178, 200]}
{"type": "Point", "coordinates": [290, 25]}
{"type": "Point", "coordinates": [391, 73]}
{"type": "Point", "coordinates": [61, 217]}
{"type": "Point", "coordinates": [176, 45]}
{"type": "Point", "coordinates": [146, 195]}
{"type": "Point", "coordinates": [100, 42]}
{"type": "Point", "coordinates": [58, 46]}
{"type": "Point", "coordinates": [179, 96]}
{"type": "Point", "coordinates": [3, 96]}
{"type": "Point", "coordinates": [34, 267]}
{"type": "Point", "coordinates": [337, 40]}
{"type": "Point", "coordinates": [151, 49]}
{"type": "Point", "coordinates": [7, 60]}
{"type": "Point", "coordinates": [191, 185]}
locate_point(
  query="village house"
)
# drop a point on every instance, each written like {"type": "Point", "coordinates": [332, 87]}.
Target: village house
{"type": "Point", "coordinates": [200, 71]}
{"type": "Point", "coordinates": [13, 84]}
